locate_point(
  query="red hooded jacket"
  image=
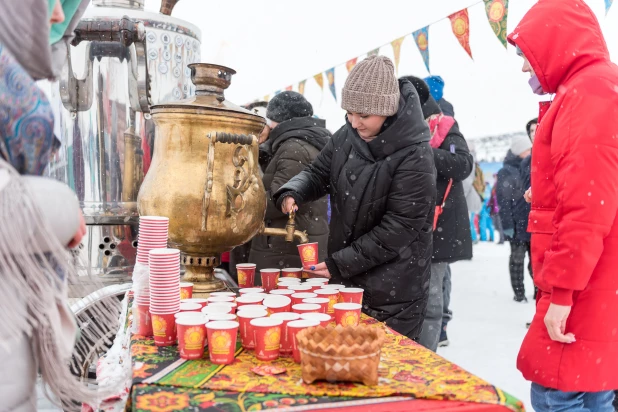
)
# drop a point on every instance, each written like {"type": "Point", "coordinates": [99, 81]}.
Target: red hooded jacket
{"type": "Point", "coordinates": [574, 198]}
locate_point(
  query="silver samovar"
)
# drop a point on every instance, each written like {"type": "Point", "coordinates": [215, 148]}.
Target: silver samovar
{"type": "Point", "coordinates": [123, 60]}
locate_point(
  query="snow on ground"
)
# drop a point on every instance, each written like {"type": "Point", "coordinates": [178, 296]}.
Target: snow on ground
{"type": "Point", "coordinates": [488, 326]}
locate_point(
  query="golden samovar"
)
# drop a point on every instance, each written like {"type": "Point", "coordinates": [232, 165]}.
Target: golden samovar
{"type": "Point", "coordinates": [205, 177]}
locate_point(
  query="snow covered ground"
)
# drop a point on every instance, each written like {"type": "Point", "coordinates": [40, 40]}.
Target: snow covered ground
{"type": "Point", "coordinates": [487, 327]}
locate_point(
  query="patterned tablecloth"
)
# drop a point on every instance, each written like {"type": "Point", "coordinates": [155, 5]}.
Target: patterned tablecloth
{"type": "Point", "coordinates": [408, 373]}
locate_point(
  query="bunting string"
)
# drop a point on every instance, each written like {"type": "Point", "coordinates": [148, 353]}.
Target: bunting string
{"type": "Point", "coordinates": [497, 16]}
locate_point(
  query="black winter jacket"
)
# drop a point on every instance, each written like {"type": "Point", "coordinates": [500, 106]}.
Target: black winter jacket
{"type": "Point", "coordinates": [452, 240]}
{"type": "Point", "coordinates": [383, 195]}
{"type": "Point", "coordinates": [291, 147]}
{"type": "Point", "coordinates": [510, 191]}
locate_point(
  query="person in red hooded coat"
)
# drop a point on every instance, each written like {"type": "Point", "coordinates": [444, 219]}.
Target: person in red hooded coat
{"type": "Point", "coordinates": [570, 352]}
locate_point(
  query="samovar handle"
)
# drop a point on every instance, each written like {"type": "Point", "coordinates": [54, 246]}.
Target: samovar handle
{"type": "Point", "coordinates": [126, 32]}
{"type": "Point", "coordinates": [232, 138]}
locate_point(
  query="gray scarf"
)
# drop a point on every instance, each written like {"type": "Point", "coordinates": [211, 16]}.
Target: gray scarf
{"type": "Point", "coordinates": [24, 31]}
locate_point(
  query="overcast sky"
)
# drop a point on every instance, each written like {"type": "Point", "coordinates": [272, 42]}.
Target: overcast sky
{"type": "Point", "coordinates": [276, 43]}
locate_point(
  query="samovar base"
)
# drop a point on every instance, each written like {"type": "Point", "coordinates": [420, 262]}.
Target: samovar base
{"type": "Point", "coordinates": [201, 272]}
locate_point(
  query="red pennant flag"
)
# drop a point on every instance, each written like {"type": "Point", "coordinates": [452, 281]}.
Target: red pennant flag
{"type": "Point", "coordinates": [289, 88]}
{"type": "Point", "coordinates": [460, 22]}
{"type": "Point", "coordinates": [351, 63]}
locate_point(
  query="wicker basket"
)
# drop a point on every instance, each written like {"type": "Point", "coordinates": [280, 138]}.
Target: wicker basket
{"type": "Point", "coordinates": [350, 354]}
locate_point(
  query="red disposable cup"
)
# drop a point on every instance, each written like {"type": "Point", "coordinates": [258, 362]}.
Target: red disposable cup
{"type": "Point", "coordinates": [192, 315]}
{"type": "Point", "coordinates": [154, 219]}
{"type": "Point", "coordinates": [222, 341]}
{"type": "Point", "coordinates": [294, 327]}
{"type": "Point", "coordinates": [298, 297]}
{"type": "Point", "coordinates": [351, 295]}
{"type": "Point", "coordinates": [333, 286]}
{"type": "Point", "coordinates": [347, 314]}
{"type": "Point", "coordinates": [308, 254]}
{"type": "Point", "coordinates": [248, 299]}
{"type": "Point", "coordinates": [306, 308]}
{"type": "Point", "coordinates": [252, 307]}
{"type": "Point", "coordinates": [191, 337]}
{"type": "Point", "coordinates": [223, 294]}
{"type": "Point", "coordinates": [230, 307]}
{"type": "Point", "coordinates": [282, 292]}
{"type": "Point", "coordinates": [269, 279]}
{"type": "Point", "coordinates": [186, 290]}
{"type": "Point", "coordinates": [332, 294]}
{"type": "Point", "coordinates": [158, 305]}
{"type": "Point", "coordinates": [323, 302]}
{"type": "Point", "coordinates": [246, 275]}
{"type": "Point", "coordinates": [163, 329]}
{"type": "Point", "coordinates": [267, 338]}
{"type": "Point", "coordinates": [190, 307]}
{"type": "Point", "coordinates": [219, 299]}
{"type": "Point", "coordinates": [247, 334]}
{"type": "Point", "coordinates": [301, 288]}
{"type": "Point", "coordinates": [286, 285]}
{"type": "Point", "coordinates": [277, 304]}
{"type": "Point", "coordinates": [292, 273]}
{"type": "Point", "coordinates": [221, 316]}
{"type": "Point", "coordinates": [244, 291]}
{"type": "Point", "coordinates": [201, 301]}
{"type": "Point", "coordinates": [163, 309]}
{"type": "Point", "coordinates": [286, 342]}
{"type": "Point", "coordinates": [208, 310]}
{"type": "Point", "coordinates": [142, 319]}
{"type": "Point", "coordinates": [314, 286]}
{"type": "Point", "coordinates": [317, 280]}
{"type": "Point", "coordinates": [323, 318]}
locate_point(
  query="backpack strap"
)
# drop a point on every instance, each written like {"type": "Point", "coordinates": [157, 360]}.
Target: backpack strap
{"type": "Point", "coordinates": [448, 190]}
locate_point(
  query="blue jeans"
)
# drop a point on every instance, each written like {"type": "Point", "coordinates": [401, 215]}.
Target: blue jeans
{"type": "Point", "coordinates": [552, 400]}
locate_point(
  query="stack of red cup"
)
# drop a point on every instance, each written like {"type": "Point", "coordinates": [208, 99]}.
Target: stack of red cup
{"type": "Point", "coordinates": [152, 235]}
{"type": "Point", "coordinates": [164, 294]}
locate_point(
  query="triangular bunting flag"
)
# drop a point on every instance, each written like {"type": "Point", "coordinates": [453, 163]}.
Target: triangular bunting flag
{"type": "Point", "coordinates": [289, 88]}
{"type": "Point", "coordinates": [397, 52]}
{"type": "Point", "coordinates": [608, 4]}
{"type": "Point", "coordinates": [277, 92]}
{"type": "Point", "coordinates": [421, 37]}
{"type": "Point", "coordinates": [460, 23]}
{"type": "Point", "coordinates": [319, 80]}
{"type": "Point", "coordinates": [373, 52]}
{"type": "Point", "coordinates": [497, 13]}
{"type": "Point", "coordinates": [351, 63]}
{"type": "Point", "coordinates": [301, 87]}
{"type": "Point", "coordinates": [330, 76]}
{"type": "Point", "coordinates": [267, 98]}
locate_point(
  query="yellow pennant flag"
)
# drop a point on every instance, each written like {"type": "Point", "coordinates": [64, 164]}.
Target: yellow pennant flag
{"type": "Point", "coordinates": [301, 87]}
{"type": "Point", "coordinates": [267, 98]}
{"type": "Point", "coordinates": [397, 51]}
{"type": "Point", "coordinates": [319, 78]}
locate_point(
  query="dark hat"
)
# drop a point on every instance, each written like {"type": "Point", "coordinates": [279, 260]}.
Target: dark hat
{"type": "Point", "coordinates": [288, 105]}
{"type": "Point", "coordinates": [530, 123]}
{"type": "Point", "coordinates": [428, 103]}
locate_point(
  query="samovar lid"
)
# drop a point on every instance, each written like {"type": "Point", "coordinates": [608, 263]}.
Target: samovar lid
{"type": "Point", "coordinates": [210, 82]}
